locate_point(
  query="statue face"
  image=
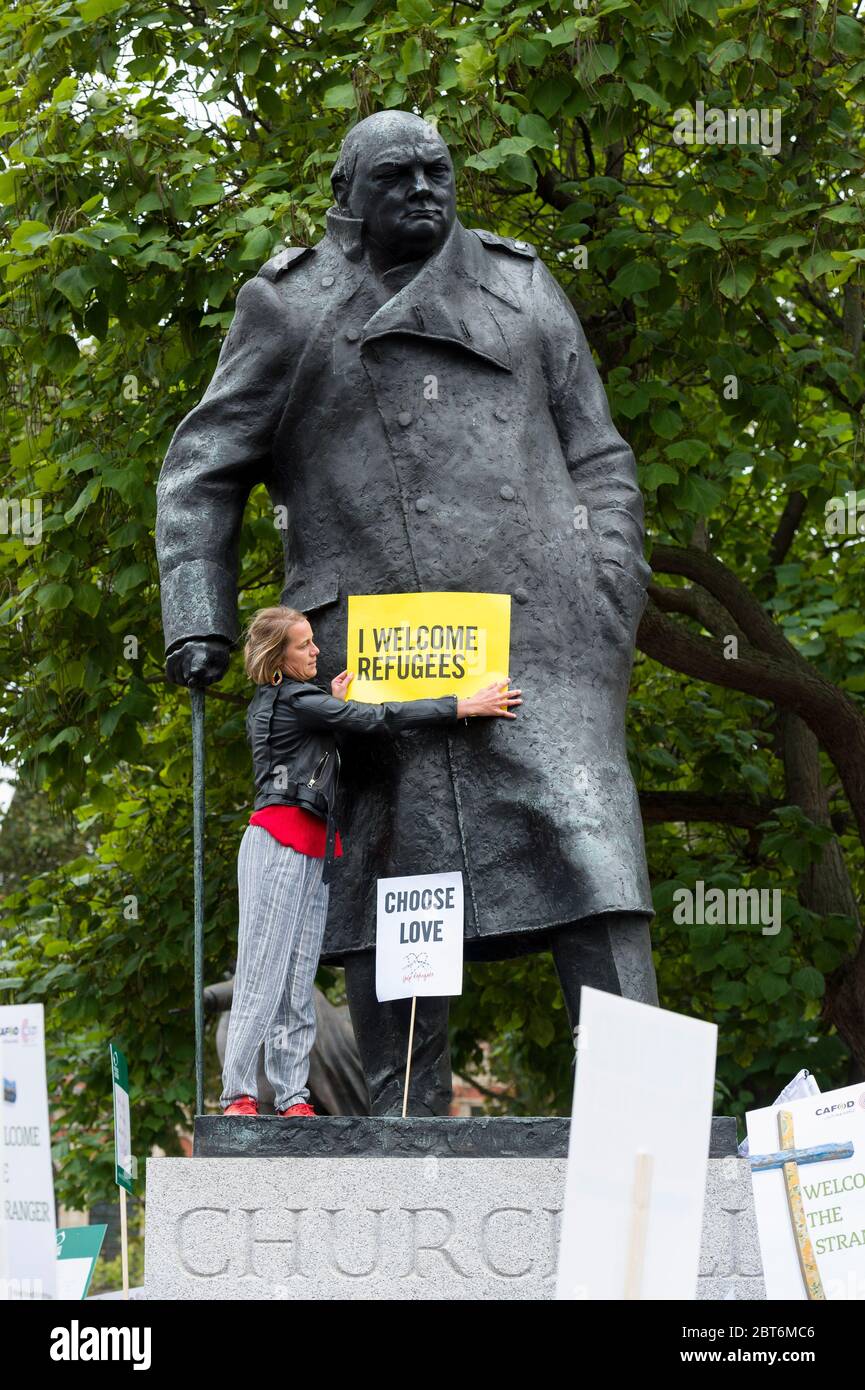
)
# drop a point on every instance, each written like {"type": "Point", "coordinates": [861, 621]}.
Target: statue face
{"type": "Point", "coordinates": [406, 195]}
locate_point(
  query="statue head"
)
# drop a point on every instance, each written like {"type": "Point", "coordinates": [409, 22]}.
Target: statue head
{"type": "Point", "coordinates": [394, 172]}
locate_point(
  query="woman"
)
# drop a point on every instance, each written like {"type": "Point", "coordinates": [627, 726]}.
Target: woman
{"type": "Point", "coordinates": [283, 867]}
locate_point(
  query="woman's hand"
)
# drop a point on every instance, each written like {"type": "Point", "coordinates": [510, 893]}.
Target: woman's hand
{"type": "Point", "coordinates": [340, 684]}
{"type": "Point", "coordinates": [493, 700]}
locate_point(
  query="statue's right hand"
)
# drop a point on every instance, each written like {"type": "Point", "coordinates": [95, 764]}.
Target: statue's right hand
{"type": "Point", "coordinates": [200, 661]}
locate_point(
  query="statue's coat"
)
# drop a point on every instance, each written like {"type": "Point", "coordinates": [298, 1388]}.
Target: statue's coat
{"type": "Point", "coordinates": [442, 439]}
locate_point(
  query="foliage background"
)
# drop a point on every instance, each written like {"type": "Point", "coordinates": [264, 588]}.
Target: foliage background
{"type": "Point", "coordinates": [153, 155]}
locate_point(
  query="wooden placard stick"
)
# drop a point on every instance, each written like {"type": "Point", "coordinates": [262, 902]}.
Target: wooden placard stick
{"type": "Point", "coordinates": [408, 1058]}
{"type": "Point", "coordinates": [124, 1243]}
{"type": "Point", "coordinates": [636, 1255]}
{"type": "Point", "coordinates": [804, 1248]}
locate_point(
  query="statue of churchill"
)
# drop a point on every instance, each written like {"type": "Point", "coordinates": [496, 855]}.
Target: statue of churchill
{"type": "Point", "coordinates": [421, 399]}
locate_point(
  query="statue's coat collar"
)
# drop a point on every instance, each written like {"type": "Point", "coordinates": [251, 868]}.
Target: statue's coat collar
{"type": "Point", "coordinates": [447, 300]}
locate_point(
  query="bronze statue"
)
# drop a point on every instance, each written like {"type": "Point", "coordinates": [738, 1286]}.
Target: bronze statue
{"type": "Point", "coordinates": [421, 402]}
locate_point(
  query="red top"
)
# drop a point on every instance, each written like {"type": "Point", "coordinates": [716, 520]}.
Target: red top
{"type": "Point", "coordinates": [292, 825]}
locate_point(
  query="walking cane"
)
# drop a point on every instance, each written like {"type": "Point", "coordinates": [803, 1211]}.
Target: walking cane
{"type": "Point", "coordinates": [196, 695]}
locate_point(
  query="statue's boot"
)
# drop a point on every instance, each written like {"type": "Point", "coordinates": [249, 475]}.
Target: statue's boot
{"type": "Point", "coordinates": [381, 1032]}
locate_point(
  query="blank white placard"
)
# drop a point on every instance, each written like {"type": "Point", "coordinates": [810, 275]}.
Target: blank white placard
{"type": "Point", "coordinates": [638, 1151]}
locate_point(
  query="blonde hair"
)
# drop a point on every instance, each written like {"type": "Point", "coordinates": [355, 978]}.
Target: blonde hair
{"type": "Point", "coordinates": [266, 637]}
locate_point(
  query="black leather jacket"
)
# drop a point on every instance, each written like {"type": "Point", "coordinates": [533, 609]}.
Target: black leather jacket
{"type": "Point", "coordinates": [292, 730]}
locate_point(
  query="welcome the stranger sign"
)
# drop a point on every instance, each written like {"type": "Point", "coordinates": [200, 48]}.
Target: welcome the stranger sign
{"type": "Point", "coordinates": [808, 1172]}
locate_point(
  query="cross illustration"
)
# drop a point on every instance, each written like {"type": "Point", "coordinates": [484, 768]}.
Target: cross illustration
{"type": "Point", "coordinates": [789, 1158]}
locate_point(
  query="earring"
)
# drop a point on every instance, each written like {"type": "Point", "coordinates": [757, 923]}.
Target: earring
{"type": "Point", "coordinates": [276, 678]}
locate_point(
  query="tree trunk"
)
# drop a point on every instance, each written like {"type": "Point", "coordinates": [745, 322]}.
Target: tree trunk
{"type": "Point", "coordinates": [825, 887]}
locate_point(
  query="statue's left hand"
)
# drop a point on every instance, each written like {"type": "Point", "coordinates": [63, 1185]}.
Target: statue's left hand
{"type": "Point", "coordinates": [198, 662]}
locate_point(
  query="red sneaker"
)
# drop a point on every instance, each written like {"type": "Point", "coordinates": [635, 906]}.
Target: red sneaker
{"type": "Point", "coordinates": [244, 1105]}
{"type": "Point", "coordinates": [301, 1109]}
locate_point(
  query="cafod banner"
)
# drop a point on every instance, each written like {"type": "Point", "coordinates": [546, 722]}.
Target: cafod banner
{"type": "Point", "coordinates": [28, 1250]}
{"type": "Point", "coordinates": [421, 646]}
{"type": "Point", "coordinates": [419, 936]}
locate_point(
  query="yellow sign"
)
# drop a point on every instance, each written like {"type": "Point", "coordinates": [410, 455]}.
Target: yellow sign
{"type": "Point", "coordinates": [416, 646]}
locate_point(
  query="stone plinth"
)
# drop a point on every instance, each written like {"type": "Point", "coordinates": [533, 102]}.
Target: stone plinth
{"type": "Point", "coordinates": [355, 1208]}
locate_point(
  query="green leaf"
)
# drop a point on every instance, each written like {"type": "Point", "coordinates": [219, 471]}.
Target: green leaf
{"type": "Point", "coordinates": [28, 236]}
{"type": "Point", "coordinates": [844, 212]}
{"type": "Point", "coordinates": [687, 451]}
{"type": "Point", "coordinates": [249, 58]}
{"type": "Point", "coordinates": [340, 97]}
{"type": "Point", "coordinates": [90, 491]}
{"type": "Point", "coordinates": [551, 94]}
{"type": "Point", "coordinates": [701, 235]}
{"type": "Point", "coordinates": [784, 243]}
{"type": "Point", "coordinates": [472, 62]}
{"type": "Point", "coordinates": [697, 495]}
{"type": "Point", "coordinates": [205, 191]}
{"type": "Point", "coordinates": [666, 423]}
{"type": "Point", "coordinates": [61, 353]}
{"type": "Point", "coordinates": [652, 475]}
{"type": "Point", "coordinates": [256, 245]}
{"type": "Point", "coordinates": [821, 263]}
{"type": "Point", "coordinates": [771, 986]}
{"type": "Point", "coordinates": [497, 154]}
{"type": "Point", "coordinates": [95, 9]}
{"type": "Point", "coordinates": [75, 283]}
{"type": "Point", "coordinates": [736, 283]}
{"type": "Point", "coordinates": [635, 277]}
{"type": "Point", "coordinates": [536, 129]}
{"type": "Point", "coordinates": [417, 12]}
{"type": "Point", "coordinates": [130, 577]}
{"type": "Point", "coordinates": [599, 61]}
{"type": "Point", "coordinates": [809, 982]}
{"type": "Point", "coordinates": [53, 596]}
{"type": "Point", "coordinates": [730, 51]}
{"type": "Point", "coordinates": [88, 599]}
{"type": "Point", "coordinates": [648, 94]}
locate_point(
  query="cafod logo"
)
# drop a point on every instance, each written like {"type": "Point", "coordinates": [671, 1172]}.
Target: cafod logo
{"type": "Point", "coordinates": [26, 1034]}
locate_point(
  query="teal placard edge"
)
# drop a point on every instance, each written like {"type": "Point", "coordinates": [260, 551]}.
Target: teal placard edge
{"type": "Point", "coordinates": [81, 1243]}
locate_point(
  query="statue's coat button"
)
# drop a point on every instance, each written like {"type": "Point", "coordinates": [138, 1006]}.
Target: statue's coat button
{"type": "Point", "coordinates": [404, 418]}
{"type": "Point", "coordinates": [327, 281]}
{"type": "Point", "coordinates": [352, 335]}
{"type": "Point", "coordinates": [422, 504]}
{"type": "Point", "coordinates": [506, 492]}
{"type": "Point", "coordinates": [501, 414]}
{"type": "Point", "coordinates": [521, 596]}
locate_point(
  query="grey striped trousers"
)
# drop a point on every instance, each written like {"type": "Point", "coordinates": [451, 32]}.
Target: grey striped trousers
{"type": "Point", "coordinates": [283, 907]}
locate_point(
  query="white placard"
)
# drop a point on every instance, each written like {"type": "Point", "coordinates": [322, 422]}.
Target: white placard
{"type": "Point", "coordinates": [831, 1188]}
{"type": "Point", "coordinates": [419, 936]}
{"type": "Point", "coordinates": [28, 1242]}
{"type": "Point", "coordinates": [639, 1146]}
